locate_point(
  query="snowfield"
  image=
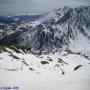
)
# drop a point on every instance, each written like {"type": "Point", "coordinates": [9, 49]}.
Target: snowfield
{"type": "Point", "coordinates": [64, 71]}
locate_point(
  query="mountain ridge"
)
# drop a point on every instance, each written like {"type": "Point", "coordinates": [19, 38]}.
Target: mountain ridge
{"type": "Point", "coordinates": [56, 32]}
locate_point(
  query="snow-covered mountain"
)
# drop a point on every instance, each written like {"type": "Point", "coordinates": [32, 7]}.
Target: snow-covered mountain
{"type": "Point", "coordinates": [59, 34]}
{"type": "Point", "coordinates": [18, 18]}
{"type": "Point", "coordinates": [14, 25]}
{"type": "Point", "coordinates": [50, 53]}
{"type": "Point", "coordinates": [60, 29]}
{"type": "Point", "coordinates": [58, 37]}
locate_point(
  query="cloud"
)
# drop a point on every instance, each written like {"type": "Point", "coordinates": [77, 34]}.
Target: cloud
{"type": "Point", "coordinates": [13, 7]}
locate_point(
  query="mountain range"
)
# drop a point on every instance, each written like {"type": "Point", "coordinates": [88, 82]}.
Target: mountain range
{"type": "Point", "coordinates": [58, 40]}
{"type": "Point", "coordinates": [59, 29]}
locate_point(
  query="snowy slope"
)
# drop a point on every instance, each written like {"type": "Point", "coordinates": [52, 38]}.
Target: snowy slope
{"type": "Point", "coordinates": [26, 71]}
{"type": "Point", "coordinates": [26, 80]}
{"type": "Point", "coordinates": [63, 63]}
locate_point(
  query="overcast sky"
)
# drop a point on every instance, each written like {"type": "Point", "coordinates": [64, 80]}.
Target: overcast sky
{"type": "Point", "coordinates": [14, 7]}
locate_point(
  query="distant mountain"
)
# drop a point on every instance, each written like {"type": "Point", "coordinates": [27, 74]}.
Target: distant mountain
{"type": "Point", "coordinates": [57, 43]}
{"type": "Point", "coordinates": [13, 19]}
{"type": "Point", "coordinates": [13, 24]}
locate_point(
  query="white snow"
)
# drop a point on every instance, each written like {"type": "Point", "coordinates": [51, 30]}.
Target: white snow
{"type": "Point", "coordinates": [44, 77]}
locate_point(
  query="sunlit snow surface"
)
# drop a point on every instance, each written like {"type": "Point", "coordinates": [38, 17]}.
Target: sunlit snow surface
{"type": "Point", "coordinates": [28, 73]}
